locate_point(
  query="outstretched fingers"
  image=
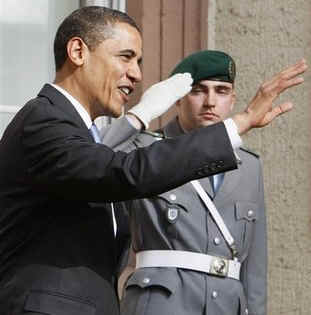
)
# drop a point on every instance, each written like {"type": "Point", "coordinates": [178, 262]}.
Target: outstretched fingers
{"type": "Point", "coordinates": [296, 69]}
{"type": "Point", "coordinates": [285, 79]}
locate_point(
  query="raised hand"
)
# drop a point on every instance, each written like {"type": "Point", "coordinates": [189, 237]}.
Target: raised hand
{"type": "Point", "coordinates": [260, 111]}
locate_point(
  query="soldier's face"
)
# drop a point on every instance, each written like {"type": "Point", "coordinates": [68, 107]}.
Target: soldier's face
{"type": "Point", "coordinates": [207, 103]}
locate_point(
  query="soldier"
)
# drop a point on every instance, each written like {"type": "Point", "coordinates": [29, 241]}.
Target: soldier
{"type": "Point", "coordinates": [185, 261]}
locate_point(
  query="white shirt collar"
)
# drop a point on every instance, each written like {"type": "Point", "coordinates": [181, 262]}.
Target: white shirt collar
{"type": "Point", "coordinates": [79, 108]}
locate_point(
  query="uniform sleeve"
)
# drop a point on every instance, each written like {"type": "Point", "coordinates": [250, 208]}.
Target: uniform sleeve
{"type": "Point", "coordinates": [118, 134]}
{"type": "Point", "coordinates": [62, 159]}
{"type": "Point", "coordinates": [254, 270]}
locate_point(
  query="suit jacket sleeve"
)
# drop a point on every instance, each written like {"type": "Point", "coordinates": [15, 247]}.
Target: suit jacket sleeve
{"type": "Point", "coordinates": [62, 159]}
{"type": "Point", "coordinates": [254, 271]}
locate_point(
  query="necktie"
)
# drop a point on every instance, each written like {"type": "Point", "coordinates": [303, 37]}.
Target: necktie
{"type": "Point", "coordinates": [95, 133]}
{"type": "Point", "coordinates": [216, 181]}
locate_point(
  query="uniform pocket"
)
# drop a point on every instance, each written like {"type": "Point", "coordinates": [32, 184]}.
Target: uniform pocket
{"type": "Point", "coordinates": [150, 291]}
{"type": "Point", "coordinates": [150, 277]}
{"type": "Point", "coordinates": [171, 211]}
{"type": "Point", "coordinates": [246, 211]}
{"type": "Point", "coordinates": [54, 303]}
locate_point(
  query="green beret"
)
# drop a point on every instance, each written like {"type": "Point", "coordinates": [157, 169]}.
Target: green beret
{"type": "Point", "coordinates": [208, 65]}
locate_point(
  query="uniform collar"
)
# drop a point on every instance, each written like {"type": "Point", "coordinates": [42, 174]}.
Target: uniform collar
{"type": "Point", "coordinates": [173, 129]}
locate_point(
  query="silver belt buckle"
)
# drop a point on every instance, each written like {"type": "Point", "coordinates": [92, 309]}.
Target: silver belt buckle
{"type": "Point", "coordinates": [219, 267]}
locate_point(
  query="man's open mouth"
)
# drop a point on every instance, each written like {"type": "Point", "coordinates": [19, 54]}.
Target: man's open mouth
{"type": "Point", "coordinates": [126, 90]}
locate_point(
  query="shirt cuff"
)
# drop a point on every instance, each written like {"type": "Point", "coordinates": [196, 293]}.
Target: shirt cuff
{"type": "Point", "coordinates": [232, 131]}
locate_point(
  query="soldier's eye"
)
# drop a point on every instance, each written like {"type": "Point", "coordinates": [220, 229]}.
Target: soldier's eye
{"type": "Point", "coordinates": [224, 91]}
{"type": "Point", "coordinates": [196, 90]}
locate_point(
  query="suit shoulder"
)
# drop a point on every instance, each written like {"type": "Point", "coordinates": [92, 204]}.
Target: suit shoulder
{"type": "Point", "coordinates": [248, 151]}
{"type": "Point", "coordinates": [33, 108]}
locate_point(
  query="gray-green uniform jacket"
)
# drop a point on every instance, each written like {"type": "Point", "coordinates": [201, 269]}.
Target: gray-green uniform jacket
{"type": "Point", "coordinates": [171, 291]}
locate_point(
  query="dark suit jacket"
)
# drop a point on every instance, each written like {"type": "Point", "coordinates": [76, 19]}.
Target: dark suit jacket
{"type": "Point", "coordinates": [56, 238]}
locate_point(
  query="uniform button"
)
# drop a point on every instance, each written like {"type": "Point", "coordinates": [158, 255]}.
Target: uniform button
{"type": "Point", "coordinates": [172, 197]}
{"type": "Point", "coordinates": [146, 280]}
{"type": "Point", "coordinates": [216, 240]}
{"type": "Point", "coordinates": [214, 294]}
{"type": "Point", "coordinates": [250, 213]}
{"type": "Point", "coordinates": [246, 311]}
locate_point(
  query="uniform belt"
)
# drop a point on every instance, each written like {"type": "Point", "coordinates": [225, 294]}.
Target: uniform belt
{"type": "Point", "coordinates": [212, 265]}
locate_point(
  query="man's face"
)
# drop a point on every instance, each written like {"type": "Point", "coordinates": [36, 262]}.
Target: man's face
{"type": "Point", "coordinates": [111, 71]}
{"type": "Point", "coordinates": [207, 103]}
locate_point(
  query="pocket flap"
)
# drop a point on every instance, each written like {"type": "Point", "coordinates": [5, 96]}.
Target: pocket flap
{"type": "Point", "coordinates": [246, 210]}
{"type": "Point", "coordinates": [147, 277]}
{"type": "Point", "coordinates": [183, 196]}
{"type": "Point", "coordinates": [57, 304]}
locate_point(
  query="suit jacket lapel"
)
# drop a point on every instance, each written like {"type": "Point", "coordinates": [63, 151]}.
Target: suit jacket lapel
{"type": "Point", "coordinates": [61, 102]}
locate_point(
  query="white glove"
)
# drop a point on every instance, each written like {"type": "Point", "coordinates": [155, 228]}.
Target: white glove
{"type": "Point", "coordinates": [161, 96]}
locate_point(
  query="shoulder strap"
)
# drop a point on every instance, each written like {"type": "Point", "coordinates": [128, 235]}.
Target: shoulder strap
{"type": "Point", "coordinates": [216, 216]}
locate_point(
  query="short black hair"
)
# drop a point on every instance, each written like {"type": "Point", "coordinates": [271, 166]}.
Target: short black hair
{"type": "Point", "coordinates": [91, 25]}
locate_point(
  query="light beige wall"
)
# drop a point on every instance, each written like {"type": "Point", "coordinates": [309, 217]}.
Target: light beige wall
{"type": "Point", "coordinates": [263, 36]}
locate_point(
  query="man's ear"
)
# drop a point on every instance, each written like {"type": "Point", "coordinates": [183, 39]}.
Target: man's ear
{"type": "Point", "coordinates": [76, 51]}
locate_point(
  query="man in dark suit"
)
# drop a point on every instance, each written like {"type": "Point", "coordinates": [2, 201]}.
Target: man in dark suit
{"type": "Point", "coordinates": [57, 245]}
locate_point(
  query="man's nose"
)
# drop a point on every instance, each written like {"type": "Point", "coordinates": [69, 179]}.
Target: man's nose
{"type": "Point", "coordinates": [210, 99]}
{"type": "Point", "coordinates": [134, 72]}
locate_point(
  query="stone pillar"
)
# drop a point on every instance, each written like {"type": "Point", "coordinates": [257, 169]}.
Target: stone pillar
{"type": "Point", "coordinates": [263, 37]}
